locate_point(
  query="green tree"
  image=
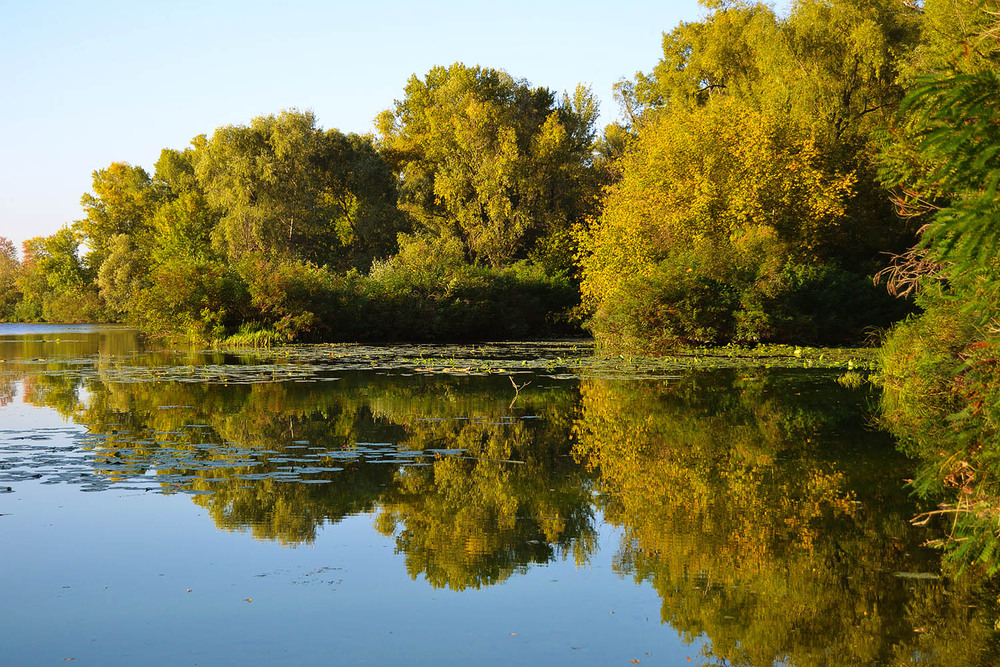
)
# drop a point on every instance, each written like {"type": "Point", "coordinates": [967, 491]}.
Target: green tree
{"type": "Point", "coordinates": [10, 267]}
{"type": "Point", "coordinates": [122, 275]}
{"type": "Point", "coordinates": [288, 190]}
{"type": "Point", "coordinates": [56, 284]}
{"type": "Point", "coordinates": [731, 52]}
{"type": "Point", "coordinates": [956, 37]}
{"type": "Point", "coordinates": [183, 224]}
{"type": "Point", "coordinates": [490, 160]}
{"type": "Point", "coordinates": [834, 64]}
{"type": "Point", "coordinates": [124, 200]}
{"type": "Point", "coordinates": [361, 187]}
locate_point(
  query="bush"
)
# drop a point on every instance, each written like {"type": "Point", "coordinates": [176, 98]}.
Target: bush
{"type": "Point", "coordinates": [940, 373]}
{"type": "Point", "coordinates": [675, 304]}
{"type": "Point", "coordinates": [716, 294]}
{"type": "Point", "coordinates": [819, 304]}
{"type": "Point", "coordinates": [428, 292]}
{"type": "Point", "coordinates": [196, 299]}
{"type": "Point", "coordinates": [425, 293]}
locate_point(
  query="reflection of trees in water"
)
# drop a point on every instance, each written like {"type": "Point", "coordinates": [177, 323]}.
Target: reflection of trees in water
{"type": "Point", "coordinates": [70, 344]}
{"type": "Point", "coordinates": [8, 390]}
{"type": "Point", "coordinates": [475, 520]}
{"type": "Point", "coordinates": [464, 519]}
{"type": "Point", "coordinates": [289, 512]}
{"type": "Point", "coordinates": [736, 496]}
{"type": "Point", "coordinates": [512, 498]}
{"type": "Point", "coordinates": [60, 392]}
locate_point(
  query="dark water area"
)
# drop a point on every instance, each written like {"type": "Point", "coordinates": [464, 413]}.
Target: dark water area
{"type": "Point", "coordinates": [524, 503]}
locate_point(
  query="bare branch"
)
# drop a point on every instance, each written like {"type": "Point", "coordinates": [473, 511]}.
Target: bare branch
{"type": "Point", "coordinates": [905, 271]}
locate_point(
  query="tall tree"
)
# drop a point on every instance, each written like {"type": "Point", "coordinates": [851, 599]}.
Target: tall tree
{"type": "Point", "coordinates": [123, 201]}
{"type": "Point", "coordinates": [10, 267]}
{"type": "Point", "coordinates": [183, 224]}
{"type": "Point", "coordinates": [288, 190]}
{"type": "Point", "coordinates": [490, 160]}
{"type": "Point", "coordinates": [835, 64]}
{"type": "Point", "coordinates": [750, 180]}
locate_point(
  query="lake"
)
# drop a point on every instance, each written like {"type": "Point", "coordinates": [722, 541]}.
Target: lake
{"type": "Point", "coordinates": [517, 503]}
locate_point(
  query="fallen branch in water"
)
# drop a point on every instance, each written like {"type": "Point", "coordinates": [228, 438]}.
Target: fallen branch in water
{"type": "Point", "coordinates": [517, 390]}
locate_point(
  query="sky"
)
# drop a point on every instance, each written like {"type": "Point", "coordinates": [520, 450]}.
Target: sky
{"type": "Point", "coordinates": [85, 84]}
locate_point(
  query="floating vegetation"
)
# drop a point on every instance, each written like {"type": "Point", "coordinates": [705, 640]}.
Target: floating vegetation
{"type": "Point", "coordinates": [100, 460]}
{"type": "Point", "coordinates": [202, 398]}
{"type": "Point", "coordinates": [558, 360]}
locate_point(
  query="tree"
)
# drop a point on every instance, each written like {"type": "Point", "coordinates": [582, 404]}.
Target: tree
{"type": "Point", "coordinates": [288, 190]}
{"type": "Point", "coordinates": [10, 267]}
{"type": "Point", "coordinates": [849, 54]}
{"type": "Point", "coordinates": [122, 275]}
{"type": "Point", "coordinates": [731, 52]}
{"type": "Point", "coordinates": [748, 206]}
{"type": "Point", "coordinates": [57, 285]}
{"type": "Point", "coordinates": [834, 63]}
{"type": "Point", "coordinates": [123, 202]}
{"type": "Point", "coordinates": [358, 183]}
{"type": "Point", "coordinates": [492, 161]}
{"type": "Point", "coordinates": [723, 220]}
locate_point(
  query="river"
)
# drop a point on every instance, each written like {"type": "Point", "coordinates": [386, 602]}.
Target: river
{"type": "Point", "coordinates": [515, 503]}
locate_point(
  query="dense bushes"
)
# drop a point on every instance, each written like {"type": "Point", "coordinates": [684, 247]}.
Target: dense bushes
{"type": "Point", "coordinates": [196, 299]}
{"type": "Point", "coordinates": [941, 369]}
{"type": "Point", "coordinates": [411, 297]}
{"type": "Point", "coordinates": [688, 299]}
{"type": "Point", "coordinates": [430, 292]}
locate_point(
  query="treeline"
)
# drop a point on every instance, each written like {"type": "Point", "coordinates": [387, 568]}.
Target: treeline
{"type": "Point", "coordinates": [453, 223]}
{"type": "Point", "coordinates": [747, 195]}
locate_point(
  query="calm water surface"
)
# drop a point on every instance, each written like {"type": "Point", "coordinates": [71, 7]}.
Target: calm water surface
{"type": "Point", "coordinates": [509, 504]}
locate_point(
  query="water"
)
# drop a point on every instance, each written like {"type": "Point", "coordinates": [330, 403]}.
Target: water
{"type": "Point", "coordinates": [507, 504]}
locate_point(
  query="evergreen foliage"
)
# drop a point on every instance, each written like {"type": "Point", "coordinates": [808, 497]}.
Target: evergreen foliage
{"type": "Point", "coordinates": [940, 368]}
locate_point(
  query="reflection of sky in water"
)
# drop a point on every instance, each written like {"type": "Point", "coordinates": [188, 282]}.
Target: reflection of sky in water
{"type": "Point", "coordinates": [21, 419]}
{"type": "Point", "coordinates": [41, 329]}
{"type": "Point", "coordinates": [39, 443]}
{"type": "Point", "coordinates": [104, 578]}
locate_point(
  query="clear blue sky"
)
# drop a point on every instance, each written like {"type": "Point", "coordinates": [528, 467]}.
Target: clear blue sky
{"type": "Point", "coordinates": [84, 84]}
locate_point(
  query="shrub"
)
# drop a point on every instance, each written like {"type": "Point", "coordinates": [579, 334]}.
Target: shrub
{"type": "Point", "coordinates": [197, 299]}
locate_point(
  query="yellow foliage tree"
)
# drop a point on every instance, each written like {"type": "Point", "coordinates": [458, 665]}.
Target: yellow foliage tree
{"type": "Point", "coordinates": [726, 192]}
